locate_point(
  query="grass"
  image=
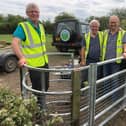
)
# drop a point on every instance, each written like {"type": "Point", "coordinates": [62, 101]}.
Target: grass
{"type": "Point", "coordinates": [49, 40]}
{"type": "Point", "coordinates": [8, 39]}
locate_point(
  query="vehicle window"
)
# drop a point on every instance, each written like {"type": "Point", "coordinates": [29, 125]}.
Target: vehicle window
{"type": "Point", "coordinates": [66, 25]}
{"type": "Point", "coordinates": [84, 28]}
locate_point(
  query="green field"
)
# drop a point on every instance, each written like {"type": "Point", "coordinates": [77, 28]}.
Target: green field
{"type": "Point", "coordinates": [8, 38]}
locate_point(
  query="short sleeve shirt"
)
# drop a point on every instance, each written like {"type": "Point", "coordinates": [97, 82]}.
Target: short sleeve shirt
{"type": "Point", "coordinates": [94, 49]}
{"type": "Point", "coordinates": [111, 45]}
{"type": "Point", "coordinates": [19, 32]}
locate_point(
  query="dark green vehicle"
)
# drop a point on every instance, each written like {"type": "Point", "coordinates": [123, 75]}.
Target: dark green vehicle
{"type": "Point", "coordinates": [68, 34]}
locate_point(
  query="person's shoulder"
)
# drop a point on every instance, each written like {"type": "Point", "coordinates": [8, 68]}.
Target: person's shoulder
{"type": "Point", "coordinates": [100, 32]}
{"type": "Point", "coordinates": [22, 22]}
{"type": "Point", "coordinates": [41, 23]}
{"type": "Point", "coordinates": [106, 30]}
{"type": "Point", "coordinates": [122, 30]}
{"type": "Point", "coordinates": [87, 33]}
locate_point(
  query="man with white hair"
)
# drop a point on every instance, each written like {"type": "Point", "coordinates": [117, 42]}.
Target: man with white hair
{"type": "Point", "coordinates": [30, 35]}
{"type": "Point", "coordinates": [92, 47]}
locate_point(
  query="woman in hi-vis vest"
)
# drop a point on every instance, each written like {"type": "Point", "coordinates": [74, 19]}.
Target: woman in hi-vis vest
{"type": "Point", "coordinates": [30, 35]}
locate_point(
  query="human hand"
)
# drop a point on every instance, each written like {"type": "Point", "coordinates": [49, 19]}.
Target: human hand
{"type": "Point", "coordinates": [82, 63]}
{"type": "Point", "coordinates": [22, 61]}
{"type": "Point", "coordinates": [124, 55]}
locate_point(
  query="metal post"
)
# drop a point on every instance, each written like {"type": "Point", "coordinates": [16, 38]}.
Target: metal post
{"type": "Point", "coordinates": [124, 101]}
{"type": "Point", "coordinates": [75, 98]}
{"type": "Point", "coordinates": [23, 90]}
{"type": "Point", "coordinates": [72, 57]}
{"type": "Point", "coordinates": [43, 100]}
{"type": "Point", "coordinates": [92, 83]}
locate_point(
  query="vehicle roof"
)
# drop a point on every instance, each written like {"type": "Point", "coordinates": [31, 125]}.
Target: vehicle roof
{"type": "Point", "coordinates": [76, 20]}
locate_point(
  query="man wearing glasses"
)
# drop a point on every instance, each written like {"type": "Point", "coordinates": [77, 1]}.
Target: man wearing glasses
{"type": "Point", "coordinates": [30, 35]}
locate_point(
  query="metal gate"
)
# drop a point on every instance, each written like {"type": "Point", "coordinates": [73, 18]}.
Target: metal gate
{"type": "Point", "coordinates": [88, 105]}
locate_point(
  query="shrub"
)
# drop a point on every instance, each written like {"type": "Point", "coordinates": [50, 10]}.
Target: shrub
{"type": "Point", "coordinates": [15, 111]}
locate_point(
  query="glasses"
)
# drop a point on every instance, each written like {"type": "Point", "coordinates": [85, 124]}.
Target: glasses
{"type": "Point", "coordinates": [33, 11]}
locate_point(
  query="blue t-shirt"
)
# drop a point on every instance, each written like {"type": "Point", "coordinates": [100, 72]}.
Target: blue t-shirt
{"type": "Point", "coordinates": [19, 32]}
{"type": "Point", "coordinates": [111, 45]}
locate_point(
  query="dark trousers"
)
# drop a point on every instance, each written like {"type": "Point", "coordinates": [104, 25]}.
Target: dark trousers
{"type": "Point", "coordinates": [109, 69]}
{"type": "Point", "coordinates": [84, 73]}
{"type": "Point", "coordinates": [39, 80]}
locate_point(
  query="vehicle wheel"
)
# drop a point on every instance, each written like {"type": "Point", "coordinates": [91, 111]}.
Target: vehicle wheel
{"type": "Point", "coordinates": [10, 64]}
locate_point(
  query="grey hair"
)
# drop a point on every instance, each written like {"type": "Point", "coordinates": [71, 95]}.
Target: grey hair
{"type": "Point", "coordinates": [94, 21]}
{"type": "Point", "coordinates": [30, 6]}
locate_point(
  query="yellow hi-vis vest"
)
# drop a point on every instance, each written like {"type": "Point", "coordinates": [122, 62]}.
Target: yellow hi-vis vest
{"type": "Point", "coordinates": [87, 39]}
{"type": "Point", "coordinates": [33, 48]}
{"type": "Point", "coordinates": [119, 45]}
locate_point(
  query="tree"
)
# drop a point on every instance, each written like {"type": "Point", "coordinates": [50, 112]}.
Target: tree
{"type": "Point", "coordinates": [48, 26]}
{"type": "Point", "coordinates": [9, 23]}
{"type": "Point", "coordinates": [123, 23]}
{"type": "Point", "coordinates": [121, 13]}
{"type": "Point", "coordinates": [64, 15]}
{"type": "Point", "coordinates": [102, 20]}
{"type": "Point", "coordinates": [1, 18]}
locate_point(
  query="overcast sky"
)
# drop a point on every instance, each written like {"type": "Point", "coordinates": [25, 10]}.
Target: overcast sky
{"type": "Point", "coordinates": [51, 8]}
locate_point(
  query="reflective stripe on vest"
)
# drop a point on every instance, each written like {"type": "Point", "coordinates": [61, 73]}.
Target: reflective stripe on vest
{"type": "Point", "coordinates": [33, 47]}
{"type": "Point", "coordinates": [119, 45]}
{"type": "Point", "coordinates": [87, 39]}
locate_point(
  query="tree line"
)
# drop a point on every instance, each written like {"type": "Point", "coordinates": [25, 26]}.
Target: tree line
{"type": "Point", "coordinates": [8, 23]}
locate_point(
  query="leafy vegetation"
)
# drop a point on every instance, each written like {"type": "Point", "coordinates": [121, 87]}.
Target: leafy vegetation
{"type": "Point", "coordinates": [8, 23]}
{"type": "Point", "coordinates": [15, 111]}
{"type": "Point", "coordinates": [64, 15]}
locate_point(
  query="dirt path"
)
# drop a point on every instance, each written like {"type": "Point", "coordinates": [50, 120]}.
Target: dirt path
{"type": "Point", "coordinates": [11, 81]}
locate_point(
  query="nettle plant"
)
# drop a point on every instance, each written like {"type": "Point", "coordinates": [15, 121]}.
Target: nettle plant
{"type": "Point", "coordinates": [15, 111]}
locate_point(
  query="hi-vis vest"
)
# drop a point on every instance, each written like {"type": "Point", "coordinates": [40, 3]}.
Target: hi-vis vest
{"type": "Point", "coordinates": [87, 39]}
{"type": "Point", "coordinates": [119, 45]}
{"type": "Point", "coordinates": [33, 48]}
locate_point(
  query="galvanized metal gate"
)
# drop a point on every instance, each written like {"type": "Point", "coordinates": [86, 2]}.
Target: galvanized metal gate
{"type": "Point", "coordinates": [85, 106]}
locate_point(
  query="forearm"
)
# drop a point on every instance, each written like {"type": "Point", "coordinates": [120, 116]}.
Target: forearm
{"type": "Point", "coordinates": [124, 51]}
{"type": "Point", "coordinates": [82, 54]}
{"type": "Point", "coordinates": [16, 48]}
{"type": "Point", "coordinates": [124, 48]}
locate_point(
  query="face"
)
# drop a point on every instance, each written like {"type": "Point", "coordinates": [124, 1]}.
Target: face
{"type": "Point", "coordinates": [113, 23]}
{"type": "Point", "coordinates": [33, 14]}
{"type": "Point", "coordinates": [94, 28]}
